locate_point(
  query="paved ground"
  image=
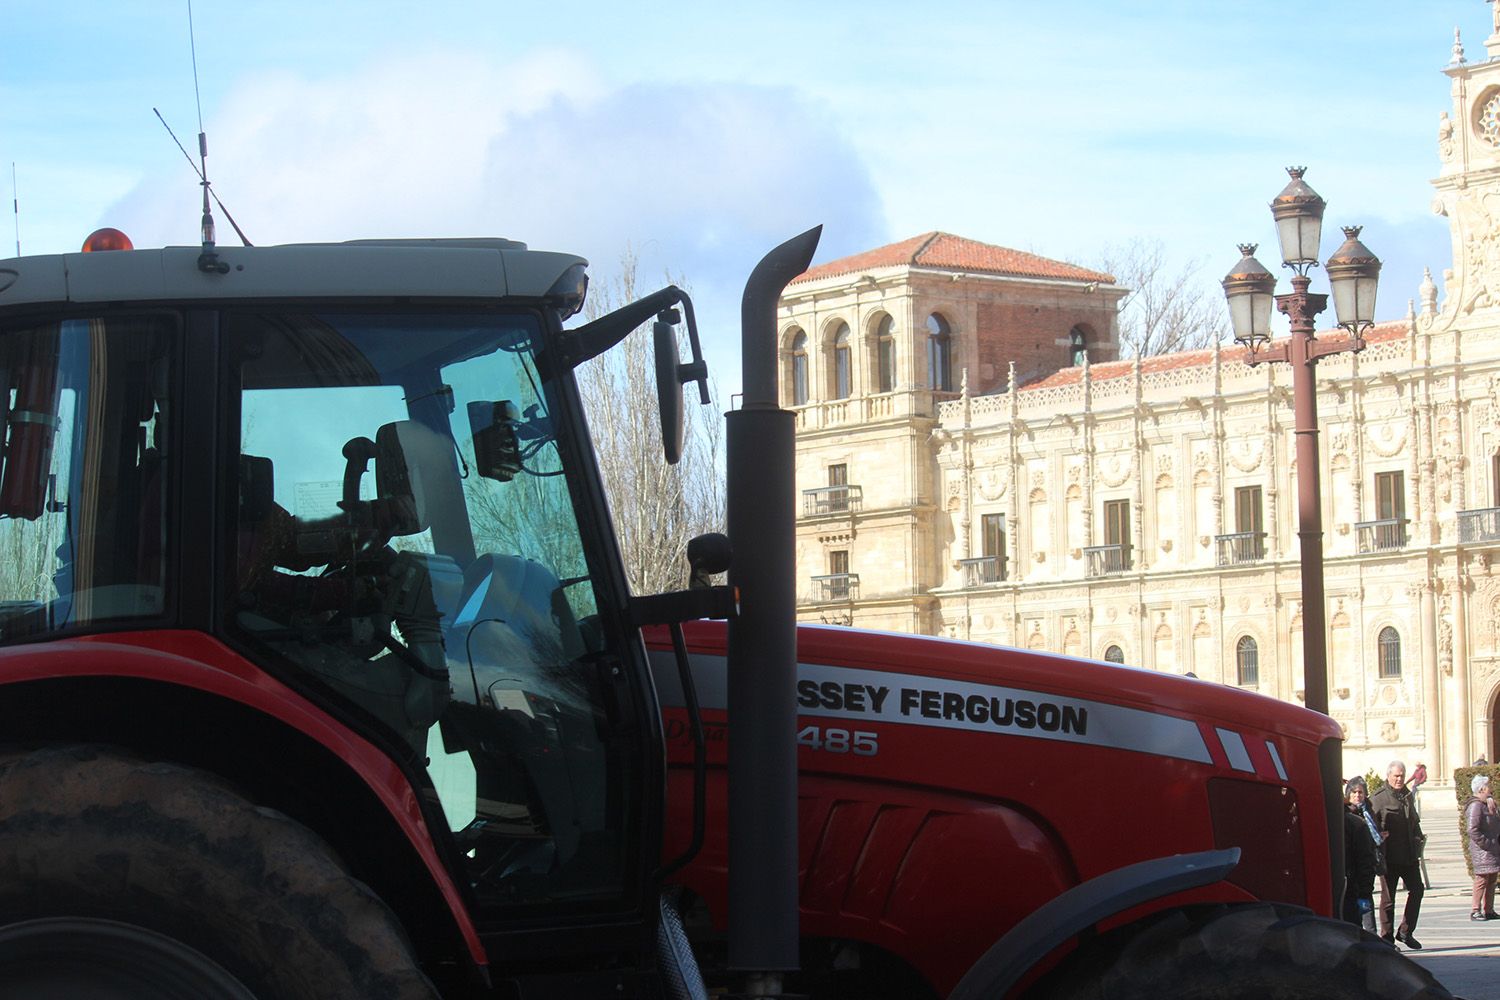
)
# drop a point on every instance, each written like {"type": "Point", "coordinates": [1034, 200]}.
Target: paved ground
{"type": "Point", "coordinates": [1461, 954]}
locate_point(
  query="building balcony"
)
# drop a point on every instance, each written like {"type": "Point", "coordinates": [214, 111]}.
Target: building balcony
{"type": "Point", "coordinates": [1476, 526]}
{"type": "Point", "coordinates": [831, 500]}
{"type": "Point", "coordinates": [1386, 535]}
{"type": "Point", "coordinates": [1241, 547]}
{"type": "Point", "coordinates": [1104, 560]}
{"type": "Point", "coordinates": [981, 571]}
{"type": "Point", "coordinates": [835, 587]}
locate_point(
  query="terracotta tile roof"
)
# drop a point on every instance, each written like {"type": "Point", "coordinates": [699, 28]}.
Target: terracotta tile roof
{"type": "Point", "coordinates": [1378, 334]}
{"type": "Point", "coordinates": [947, 252]}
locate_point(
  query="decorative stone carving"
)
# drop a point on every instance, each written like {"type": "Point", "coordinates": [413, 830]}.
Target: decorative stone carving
{"type": "Point", "coordinates": [1479, 222]}
{"type": "Point", "coordinates": [1115, 470]}
{"type": "Point", "coordinates": [1390, 731]}
{"type": "Point", "coordinates": [1429, 292]}
{"type": "Point", "coordinates": [1245, 456]}
{"type": "Point", "coordinates": [1383, 440]}
{"type": "Point", "coordinates": [1445, 645]}
{"type": "Point", "coordinates": [1445, 137]}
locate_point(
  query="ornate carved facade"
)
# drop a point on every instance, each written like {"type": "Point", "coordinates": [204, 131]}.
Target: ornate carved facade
{"type": "Point", "coordinates": [1145, 511]}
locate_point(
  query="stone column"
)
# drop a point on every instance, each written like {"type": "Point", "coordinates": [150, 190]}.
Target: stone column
{"type": "Point", "coordinates": [1432, 714]}
{"type": "Point", "coordinates": [1465, 699]}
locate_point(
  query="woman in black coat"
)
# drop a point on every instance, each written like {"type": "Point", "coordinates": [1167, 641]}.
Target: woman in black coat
{"type": "Point", "coordinates": [1361, 858]}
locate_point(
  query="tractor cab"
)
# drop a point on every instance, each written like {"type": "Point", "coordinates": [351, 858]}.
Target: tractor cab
{"type": "Point", "coordinates": [364, 468]}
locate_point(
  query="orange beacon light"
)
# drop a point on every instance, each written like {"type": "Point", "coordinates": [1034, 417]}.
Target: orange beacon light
{"type": "Point", "coordinates": [107, 239]}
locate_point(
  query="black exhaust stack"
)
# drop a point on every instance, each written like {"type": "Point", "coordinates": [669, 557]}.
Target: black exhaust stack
{"type": "Point", "coordinates": [763, 922]}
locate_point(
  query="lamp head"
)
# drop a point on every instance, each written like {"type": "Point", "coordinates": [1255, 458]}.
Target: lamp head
{"type": "Point", "coordinates": [1354, 272]}
{"type": "Point", "coordinates": [1298, 211]}
{"type": "Point", "coordinates": [1250, 288]}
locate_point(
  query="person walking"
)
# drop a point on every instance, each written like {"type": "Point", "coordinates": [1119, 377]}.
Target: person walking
{"type": "Point", "coordinates": [1402, 839]}
{"type": "Point", "coordinates": [1362, 850]}
{"type": "Point", "coordinates": [1484, 846]}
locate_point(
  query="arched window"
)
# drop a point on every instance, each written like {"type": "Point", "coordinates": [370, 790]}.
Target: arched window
{"type": "Point", "coordinates": [885, 354]}
{"type": "Point", "coordinates": [939, 354]}
{"type": "Point", "coordinates": [799, 368]}
{"type": "Point", "coordinates": [1078, 348]}
{"type": "Point", "coordinates": [1389, 645]}
{"type": "Point", "coordinates": [1114, 654]}
{"type": "Point", "coordinates": [1247, 661]}
{"type": "Point", "coordinates": [841, 362]}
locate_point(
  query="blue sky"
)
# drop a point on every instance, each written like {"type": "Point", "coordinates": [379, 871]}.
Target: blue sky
{"type": "Point", "coordinates": [703, 134]}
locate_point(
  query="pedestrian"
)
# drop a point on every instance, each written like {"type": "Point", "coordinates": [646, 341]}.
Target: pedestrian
{"type": "Point", "coordinates": [1484, 846]}
{"type": "Point", "coordinates": [1480, 762]}
{"type": "Point", "coordinates": [1418, 777]}
{"type": "Point", "coordinates": [1362, 850]}
{"type": "Point", "coordinates": [1402, 838]}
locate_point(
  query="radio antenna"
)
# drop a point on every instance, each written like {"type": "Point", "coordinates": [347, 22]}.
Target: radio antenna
{"type": "Point", "coordinates": [217, 200]}
{"type": "Point", "coordinates": [208, 260]}
{"type": "Point", "coordinates": [15, 204]}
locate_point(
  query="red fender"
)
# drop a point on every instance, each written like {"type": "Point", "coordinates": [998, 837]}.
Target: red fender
{"type": "Point", "coordinates": [196, 660]}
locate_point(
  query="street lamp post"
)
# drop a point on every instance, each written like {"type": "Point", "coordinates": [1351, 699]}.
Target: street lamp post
{"type": "Point", "coordinates": [1353, 273]}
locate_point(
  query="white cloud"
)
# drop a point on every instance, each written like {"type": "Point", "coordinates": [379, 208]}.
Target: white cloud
{"type": "Point", "coordinates": [700, 179]}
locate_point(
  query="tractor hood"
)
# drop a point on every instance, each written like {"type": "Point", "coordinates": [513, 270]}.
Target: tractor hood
{"type": "Point", "coordinates": [978, 666]}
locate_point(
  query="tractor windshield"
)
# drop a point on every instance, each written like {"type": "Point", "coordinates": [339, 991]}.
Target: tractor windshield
{"type": "Point", "coordinates": [407, 540]}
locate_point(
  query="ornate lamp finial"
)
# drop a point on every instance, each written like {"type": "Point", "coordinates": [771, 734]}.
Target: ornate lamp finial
{"type": "Point", "coordinates": [1458, 50]}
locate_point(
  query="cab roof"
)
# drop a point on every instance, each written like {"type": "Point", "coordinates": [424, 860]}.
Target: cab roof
{"type": "Point", "coordinates": [425, 268]}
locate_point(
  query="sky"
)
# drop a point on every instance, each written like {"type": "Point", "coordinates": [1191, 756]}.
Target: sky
{"type": "Point", "coordinates": [701, 135]}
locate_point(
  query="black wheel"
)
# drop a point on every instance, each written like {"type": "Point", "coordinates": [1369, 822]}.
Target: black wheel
{"type": "Point", "coordinates": [1259, 951]}
{"type": "Point", "coordinates": [122, 878]}
{"type": "Point", "coordinates": [87, 959]}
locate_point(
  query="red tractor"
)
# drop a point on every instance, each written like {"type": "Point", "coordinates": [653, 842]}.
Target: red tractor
{"type": "Point", "coordinates": [320, 678]}
{"type": "Point", "coordinates": [975, 819]}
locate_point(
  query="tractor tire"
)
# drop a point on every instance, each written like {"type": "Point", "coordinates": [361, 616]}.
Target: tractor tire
{"type": "Point", "coordinates": [125, 878]}
{"type": "Point", "coordinates": [1257, 951]}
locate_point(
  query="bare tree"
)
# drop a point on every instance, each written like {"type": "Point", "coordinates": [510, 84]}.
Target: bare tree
{"type": "Point", "coordinates": [656, 507]}
{"type": "Point", "coordinates": [1167, 309]}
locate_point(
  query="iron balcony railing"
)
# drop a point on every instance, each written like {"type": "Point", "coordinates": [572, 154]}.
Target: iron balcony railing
{"type": "Point", "coordinates": [1102, 560]}
{"type": "Point", "coordinates": [1241, 547]}
{"type": "Point", "coordinates": [835, 587]}
{"type": "Point", "coordinates": [1479, 526]}
{"type": "Point", "coordinates": [831, 500]}
{"type": "Point", "coordinates": [1385, 535]}
{"type": "Point", "coordinates": [981, 570]}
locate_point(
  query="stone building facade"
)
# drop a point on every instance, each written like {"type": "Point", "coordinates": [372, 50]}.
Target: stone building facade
{"type": "Point", "coordinates": [974, 462]}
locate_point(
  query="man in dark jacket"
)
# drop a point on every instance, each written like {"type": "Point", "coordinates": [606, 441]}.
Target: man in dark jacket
{"type": "Point", "coordinates": [1396, 819]}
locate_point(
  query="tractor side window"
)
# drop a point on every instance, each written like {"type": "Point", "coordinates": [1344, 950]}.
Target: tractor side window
{"type": "Point", "coordinates": [407, 539]}
{"type": "Point", "coordinates": [82, 497]}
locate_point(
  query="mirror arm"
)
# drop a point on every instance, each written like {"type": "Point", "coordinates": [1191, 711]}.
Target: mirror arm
{"type": "Point", "coordinates": [683, 606]}
{"type": "Point", "coordinates": [593, 339]}
{"type": "Point", "coordinates": [697, 369]}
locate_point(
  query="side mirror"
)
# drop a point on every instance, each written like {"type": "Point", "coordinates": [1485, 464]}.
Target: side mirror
{"type": "Point", "coordinates": [668, 385]}
{"type": "Point", "coordinates": [708, 555]}
{"type": "Point", "coordinates": [497, 448]}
